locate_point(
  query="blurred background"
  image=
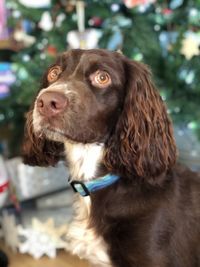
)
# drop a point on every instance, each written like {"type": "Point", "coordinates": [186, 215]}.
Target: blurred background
{"type": "Point", "coordinates": [163, 34]}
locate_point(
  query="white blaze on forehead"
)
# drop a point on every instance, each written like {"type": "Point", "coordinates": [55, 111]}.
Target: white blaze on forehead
{"type": "Point", "coordinates": [55, 87]}
{"type": "Point", "coordinates": [83, 159]}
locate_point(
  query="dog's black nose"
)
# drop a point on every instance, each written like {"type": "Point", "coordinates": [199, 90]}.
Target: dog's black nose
{"type": "Point", "coordinates": [51, 103]}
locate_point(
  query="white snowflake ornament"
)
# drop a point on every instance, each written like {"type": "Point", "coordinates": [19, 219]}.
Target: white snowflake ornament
{"type": "Point", "coordinates": [190, 45]}
{"type": "Point", "coordinates": [42, 239]}
{"type": "Point", "coordinates": [37, 244]}
{"type": "Point", "coordinates": [49, 228]}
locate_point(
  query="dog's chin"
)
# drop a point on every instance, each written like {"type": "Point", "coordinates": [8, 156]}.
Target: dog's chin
{"type": "Point", "coordinates": [50, 134]}
{"type": "Point", "coordinates": [55, 135]}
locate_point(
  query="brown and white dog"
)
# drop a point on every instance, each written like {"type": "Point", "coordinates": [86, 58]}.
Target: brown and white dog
{"type": "Point", "coordinates": [103, 110]}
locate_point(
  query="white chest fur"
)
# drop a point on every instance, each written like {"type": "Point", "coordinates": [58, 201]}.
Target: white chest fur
{"type": "Point", "coordinates": [83, 160]}
{"type": "Point", "coordinates": [83, 240]}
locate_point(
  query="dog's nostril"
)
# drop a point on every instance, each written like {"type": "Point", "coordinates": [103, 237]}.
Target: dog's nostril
{"type": "Point", "coordinates": [54, 104]}
{"type": "Point", "coordinates": [40, 103]}
{"type": "Point", "coordinates": [58, 103]}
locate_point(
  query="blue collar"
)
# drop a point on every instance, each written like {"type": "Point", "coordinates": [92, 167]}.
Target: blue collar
{"type": "Point", "coordinates": [84, 189]}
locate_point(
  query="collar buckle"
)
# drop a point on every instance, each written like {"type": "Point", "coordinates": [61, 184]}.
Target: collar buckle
{"type": "Point", "coordinates": [80, 188]}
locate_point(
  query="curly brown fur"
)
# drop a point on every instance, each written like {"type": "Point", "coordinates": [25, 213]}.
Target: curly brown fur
{"type": "Point", "coordinates": [143, 139]}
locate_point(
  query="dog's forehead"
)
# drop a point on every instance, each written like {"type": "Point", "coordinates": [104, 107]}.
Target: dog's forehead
{"type": "Point", "coordinates": [85, 57]}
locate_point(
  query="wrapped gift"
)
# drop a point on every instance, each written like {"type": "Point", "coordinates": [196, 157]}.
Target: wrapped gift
{"type": "Point", "coordinates": [31, 181]}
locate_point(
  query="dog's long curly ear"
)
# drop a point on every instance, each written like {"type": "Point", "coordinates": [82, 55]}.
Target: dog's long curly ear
{"type": "Point", "coordinates": [38, 151]}
{"type": "Point", "coordinates": [142, 144]}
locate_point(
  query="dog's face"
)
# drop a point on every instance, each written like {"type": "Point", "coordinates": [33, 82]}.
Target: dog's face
{"type": "Point", "coordinates": [83, 97]}
{"type": "Point", "coordinates": [97, 96]}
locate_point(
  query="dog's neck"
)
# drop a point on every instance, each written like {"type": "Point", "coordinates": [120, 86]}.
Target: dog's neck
{"type": "Point", "coordinates": [84, 160]}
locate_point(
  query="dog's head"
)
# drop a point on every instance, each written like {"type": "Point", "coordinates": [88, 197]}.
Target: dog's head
{"type": "Point", "coordinates": [96, 96]}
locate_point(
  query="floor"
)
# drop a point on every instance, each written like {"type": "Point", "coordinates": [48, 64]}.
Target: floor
{"type": "Point", "coordinates": [63, 259]}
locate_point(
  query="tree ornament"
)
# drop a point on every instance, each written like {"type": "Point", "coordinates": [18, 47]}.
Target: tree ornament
{"type": "Point", "coordinates": [44, 41]}
{"type": "Point", "coordinates": [192, 125]}
{"type": "Point", "coordinates": [40, 46]}
{"type": "Point", "coordinates": [59, 19]}
{"type": "Point", "coordinates": [86, 40]}
{"type": "Point", "coordinates": [16, 14]}
{"type": "Point", "coordinates": [83, 38]}
{"type": "Point", "coordinates": [20, 36]}
{"type": "Point", "coordinates": [26, 58]}
{"type": "Point", "coordinates": [43, 56]}
{"type": "Point", "coordinates": [115, 41]}
{"type": "Point", "coordinates": [95, 22]}
{"type": "Point", "coordinates": [138, 56]}
{"type": "Point", "coordinates": [190, 77]}
{"type": "Point", "coordinates": [69, 6]}
{"type": "Point", "coordinates": [52, 50]}
{"type": "Point", "coordinates": [36, 3]}
{"type": "Point", "coordinates": [80, 11]}
{"type": "Point", "coordinates": [194, 15]}
{"type": "Point", "coordinates": [115, 7]}
{"type": "Point", "coordinates": [42, 238]}
{"type": "Point", "coordinates": [177, 109]}
{"type": "Point", "coordinates": [167, 39]}
{"type": "Point", "coordinates": [193, 12]}
{"type": "Point", "coordinates": [27, 25]}
{"type": "Point", "coordinates": [21, 70]}
{"type": "Point", "coordinates": [190, 45]}
{"type": "Point", "coordinates": [157, 27]}
{"type": "Point", "coordinates": [167, 11]}
{"type": "Point", "coordinates": [175, 4]}
{"type": "Point", "coordinates": [134, 3]}
{"type": "Point", "coordinates": [46, 22]}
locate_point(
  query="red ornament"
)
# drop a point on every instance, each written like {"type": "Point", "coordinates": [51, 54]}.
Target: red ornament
{"type": "Point", "coordinates": [134, 3]}
{"type": "Point", "coordinates": [167, 11]}
{"type": "Point", "coordinates": [51, 50]}
{"type": "Point", "coordinates": [95, 22]}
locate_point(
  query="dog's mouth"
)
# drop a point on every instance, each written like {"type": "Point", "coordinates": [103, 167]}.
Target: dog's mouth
{"type": "Point", "coordinates": [57, 135]}
{"type": "Point", "coordinates": [62, 131]}
{"type": "Point", "coordinates": [54, 134]}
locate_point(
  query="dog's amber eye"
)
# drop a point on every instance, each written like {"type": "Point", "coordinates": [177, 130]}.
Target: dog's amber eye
{"type": "Point", "coordinates": [53, 74]}
{"type": "Point", "coordinates": [100, 78]}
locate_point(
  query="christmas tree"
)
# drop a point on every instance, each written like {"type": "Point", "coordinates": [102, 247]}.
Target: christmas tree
{"type": "Point", "coordinates": [163, 34]}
